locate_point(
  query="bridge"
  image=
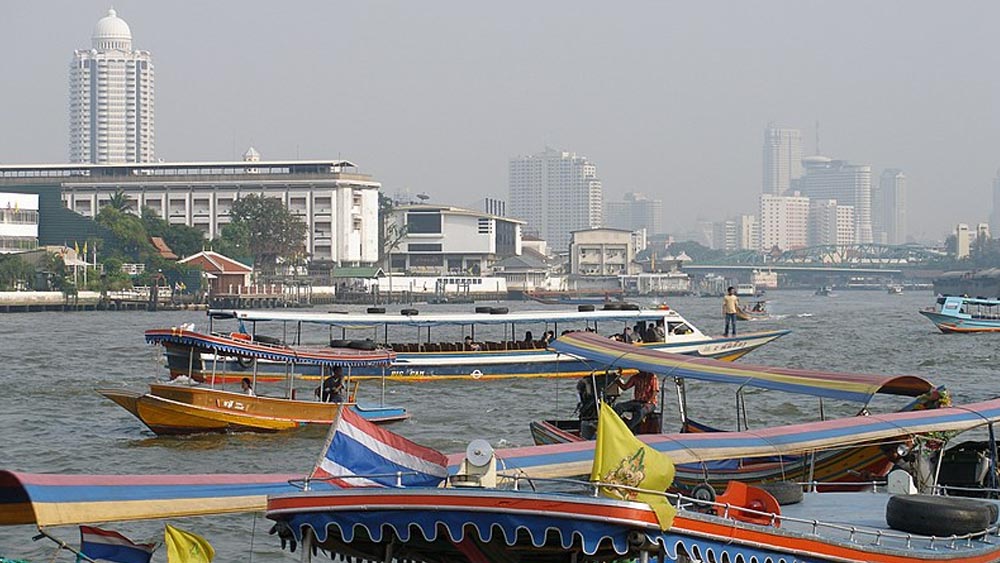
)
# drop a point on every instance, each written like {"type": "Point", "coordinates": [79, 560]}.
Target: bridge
{"type": "Point", "coordinates": [865, 255]}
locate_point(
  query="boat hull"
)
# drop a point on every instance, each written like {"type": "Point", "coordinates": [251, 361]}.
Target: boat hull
{"type": "Point", "coordinates": [463, 365]}
{"type": "Point", "coordinates": [950, 324]}
{"type": "Point", "coordinates": [854, 467]}
{"type": "Point", "coordinates": [174, 409]}
{"type": "Point", "coordinates": [515, 526]}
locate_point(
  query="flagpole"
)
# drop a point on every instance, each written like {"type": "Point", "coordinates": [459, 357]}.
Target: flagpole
{"type": "Point", "coordinates": [62, 545]}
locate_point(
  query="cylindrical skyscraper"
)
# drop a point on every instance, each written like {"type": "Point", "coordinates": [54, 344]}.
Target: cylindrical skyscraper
{"type": "Point", "coordinates": [111, 98]}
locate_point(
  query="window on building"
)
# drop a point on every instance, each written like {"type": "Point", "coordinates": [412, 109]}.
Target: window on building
{"type": "Point", "coordinates": [423, 247]}
{"type": "Point", "coordinates": [423, 223]}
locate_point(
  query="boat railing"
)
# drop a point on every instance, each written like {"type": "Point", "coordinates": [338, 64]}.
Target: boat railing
{"type": "Point", "coordinates": [855, 534]}
{"type": "Point", "coordinates": [305, 483]}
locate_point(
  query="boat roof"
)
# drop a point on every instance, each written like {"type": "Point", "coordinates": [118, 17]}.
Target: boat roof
{"type": "Point", "coordinates": [843, 386]}
{"type": "Point", "coordinates": [575, 458]}
{"type": "Point", "coordinates": [54, 499]}
{"type": "Point", "coordinates": [296, 355]}
{"type": "Point", "coordinates": [361, 320]}
{"type": "Point", "coordinates": [970, 300]}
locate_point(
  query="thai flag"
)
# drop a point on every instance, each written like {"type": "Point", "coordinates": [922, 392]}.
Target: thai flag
{"type": "Point", "coordinates": [379, 458]}
{"type": "Point", "coordinates": [104, 545]}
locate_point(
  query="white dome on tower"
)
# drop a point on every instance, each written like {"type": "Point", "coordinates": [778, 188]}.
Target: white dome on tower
{"type": "Point", "coordinates": [111, 32]}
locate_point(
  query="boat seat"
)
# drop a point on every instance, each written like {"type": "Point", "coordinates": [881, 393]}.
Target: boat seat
{"type": "Point", "coordinates": [510, 345]}
{"type": "Point", "coordinates": [432, 347]}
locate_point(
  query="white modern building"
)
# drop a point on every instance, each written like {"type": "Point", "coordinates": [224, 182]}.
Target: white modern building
{"type": "Point", "coordinates": [889, 208]}
{"type": "Point", "coordinates": [784, 222]}
{"type": "Point", "coordinates": [749, 232]}
{"type": "Point", "coordinates": [782, 159]}
{"type": "Point", "coordinates": [111, 98]}
{"type": "Point", "coordinates": [18, 222]}
{"type": "Point", "coordinates": [338, 204]}
{"type": "Point", "coordinates": [635, 212]}
{"type": "Point", "coordinates": [602, 252]}
{"type": "Point", "coordinates": [555, 193]}
{"type": "Point", "coordinates": [738, 233]}
{"type": "Point", "coordinates": [849, 184]}
{"type": "Point", "coordinates": [830, 223]}
{"type": "Point", "coordinates": [963, 241]}
{"type": "Point", "coordinates": [442, 240]}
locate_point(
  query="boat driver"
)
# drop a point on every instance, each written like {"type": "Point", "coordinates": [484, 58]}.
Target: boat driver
{"type": "Point", "coordinates": [645, 390]}
{"type": "Point", "coordinates": [333, 386]}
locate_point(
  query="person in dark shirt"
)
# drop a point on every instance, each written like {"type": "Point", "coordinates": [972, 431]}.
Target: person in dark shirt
{"type": "Point", "coordinates": [333, 386]}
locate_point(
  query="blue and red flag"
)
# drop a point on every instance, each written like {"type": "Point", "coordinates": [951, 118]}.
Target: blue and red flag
{"type": "Point", "coordinates": [105, 545]}
{"type": "Point", "coordinates": [361, 454]}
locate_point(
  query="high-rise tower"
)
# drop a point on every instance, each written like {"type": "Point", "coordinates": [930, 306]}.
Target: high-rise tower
{"type": "Point", "coordinates": [889, 208]}
{"type": "Point", "coordinates": [556, 193]}
{"type": "Point", "coordinates": [111, 98]}
{"type": "Point", "coordinates": [782, 159]}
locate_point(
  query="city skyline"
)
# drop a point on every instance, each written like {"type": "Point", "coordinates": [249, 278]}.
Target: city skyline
{"type": "Point", "coordinates": [474, 85]}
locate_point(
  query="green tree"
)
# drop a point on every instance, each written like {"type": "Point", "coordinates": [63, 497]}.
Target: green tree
{"type": "Point", "coordinates": [182, 239]}
{"type": "Point", "coordinates": [130, 232]}
{"type": "Point", "coordinates": [119, 201]}
{"type": "Point", "coordinates": [234, 242]}
{"type": "Point", "coordinates": [15, 273]}
{"type": "Point", "coordinates": [273, 233]}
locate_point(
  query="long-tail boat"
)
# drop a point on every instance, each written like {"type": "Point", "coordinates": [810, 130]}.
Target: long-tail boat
{"type": "Point", "coordinates": [182, 408]}
{"type": "Point", "coordinates": [854, 466]}
{"type": "Point", "coordinates": [956, 314]}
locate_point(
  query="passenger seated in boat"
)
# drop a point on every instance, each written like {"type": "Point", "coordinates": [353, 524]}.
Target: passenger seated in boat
{"type": "Point", "coordinates": [758, 307]}
{"type": "Point", "coordinates": [645, 391]}
{"type": "Point", "coordinates": [333, 387]}
{"type": "Point", "coordinates": [248, 387]}
{"type": "Point", "coordinates": [656, 333]}
{"type": "Point", "coordinates": [528, 337]}
{"type": "Point", "coordinates": [548, 337]}
{"type": "Point", "coordinates": [472, 345]}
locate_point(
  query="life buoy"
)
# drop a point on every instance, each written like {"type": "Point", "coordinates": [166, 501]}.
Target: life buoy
{"type": "Point", "coordinates": [340, 344]}
{"type": "Point", "coordinates": [362, 344]}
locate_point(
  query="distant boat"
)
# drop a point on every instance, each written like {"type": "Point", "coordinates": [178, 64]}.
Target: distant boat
{"type": "Point", "coordinates": [757, 312]}
{"type": "Point", "coordinates": [746, 290]}
{"type": "Point", "coordinates": [895, 289]}
{"type": "Point", "coordinates": [825, 291]}
{"type": "Point", "coordinates": [965, 314]}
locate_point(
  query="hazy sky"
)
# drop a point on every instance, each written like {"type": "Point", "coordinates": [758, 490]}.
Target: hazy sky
{"type": "Point", "coordinates": [668, 98]}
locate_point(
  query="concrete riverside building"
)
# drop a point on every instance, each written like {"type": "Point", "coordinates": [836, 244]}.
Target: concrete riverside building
{"type": "Point", "coordinates": [338, 204]}
{"type": "Point", "coordinates": [111, 111]}
{"type": "Point", "coordinates": [602, 252]}
{"type": "Point", "coordinates": [18, 222]}
{"type": "Point", "coordinates": [555, 193]}
{"type": "Point", "coordinates": [442, 240]}
{"type": "Point", "coordinates": [784, 222]}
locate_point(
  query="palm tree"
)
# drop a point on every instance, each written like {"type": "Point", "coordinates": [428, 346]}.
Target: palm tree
{"type": "Point", "coordinates": [119, 201]}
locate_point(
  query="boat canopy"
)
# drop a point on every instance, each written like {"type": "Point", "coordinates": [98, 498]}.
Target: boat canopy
{"type": "Point", "coordinates": [54, 500]}
{"type": "Point", "coordinates": [278, 353]}
{"type": "Point", "coordinates": [843, 386]}
{"type": "Point", "coordinates": [369, 320]}
{"type": "Point", "coordinates": [60, 500]}
{"type": "Point", "coordinates": [573, 459]}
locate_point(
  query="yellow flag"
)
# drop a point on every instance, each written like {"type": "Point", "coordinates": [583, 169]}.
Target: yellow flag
{"type": "Point", "coordinates": [185, 547]}
{"type": "Point", "coordinates": [84, 248]}
{"type": "Point", "coordinates": [622, 459]}
{"type": "Point", "coordinates": [76, 248]}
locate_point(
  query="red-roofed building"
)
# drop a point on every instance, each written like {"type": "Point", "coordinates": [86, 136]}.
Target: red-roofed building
{"type": "Point", "coordinates": [162, 248]}
{"type": "Point", "coordinates": [225, 275]}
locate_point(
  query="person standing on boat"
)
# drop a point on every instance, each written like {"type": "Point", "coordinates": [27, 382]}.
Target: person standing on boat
{"type": "Point", "coordinates": [248, 387]}
{"type": "Point", "coordinates": [730, 305]}
{"type": "Point", "coordinates": [333, 386]}
{"type": "Point", "coordinates": [645, 391]}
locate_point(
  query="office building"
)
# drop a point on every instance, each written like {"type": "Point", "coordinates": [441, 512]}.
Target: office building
{"type": "Point", "coordinates": [338, 204]}
{"type": "Point", "coordinates": [784, 222]}
{"type": "Point", "coordinates": [111, 102]}
{"type": "Point", "coordinates": [602, 252]}
{"type": "Point", "coordinates": [995, 215]}
{"type": "Point", "coordinates": [725, 235]}
{"type": "Point", "coordinates": [849, 184]}
{"type": "Point", "coordinates": [889, 208]}
{"type": "Point", "coordinates": [441, 240]}
{"type": "Point", "coordinates": [963, 241]}
{"type": "Point", "coordinates": [748, 232]}
{"type": "Point", "coordinates": [555, 193]}
{"type": "Point", "coordinates": [635, 212]}
{"type": "Point", "coordinates": [830, 223]}
{"type": "Point", "coordinates": [782, 159]}
{"type": "Point", "coordinates": [18, 222]}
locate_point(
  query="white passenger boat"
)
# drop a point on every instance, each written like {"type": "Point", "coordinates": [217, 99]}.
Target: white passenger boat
{"type": "Point", "coordinates": [501, 344]}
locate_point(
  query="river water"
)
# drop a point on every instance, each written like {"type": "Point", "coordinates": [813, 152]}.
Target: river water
{"type": "Point", "coordinates": [51, 420]}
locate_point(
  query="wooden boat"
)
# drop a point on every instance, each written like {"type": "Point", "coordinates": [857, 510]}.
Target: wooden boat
{"type": "Point", "coordinates": [956, 314]}
{"type": "Point", "coordinates": [527, 517]}
{"type": "Point", "coordinates": [757, 312]}
{"type": "Point", "coordinates": [849, 465]}
{"type": "Point", "coordinates": [431, 347]}
{"type": "Point", "coordinates": [178, 408]}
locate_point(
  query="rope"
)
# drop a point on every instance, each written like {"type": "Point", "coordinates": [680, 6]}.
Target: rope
{"type": "Point", "coordinates": [253, 533]}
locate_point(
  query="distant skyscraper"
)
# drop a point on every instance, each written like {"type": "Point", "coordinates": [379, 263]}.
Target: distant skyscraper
{"type": "Point", "coordinates": [963, 241]}
{"type": "Point", "coordinates": [995, 216]}
{"type": "Point", "coordinates": [830, 223]}
{"type": "Point", "coordinates": [111, 98]}
{"type": "Point", "coordinates": [784, 222]}
{"type": "Point", "coordinates": [849, 184]}
{"type": "Point", "coordinates": [889, 208]}
{"type": "Point", "coordinates": [635, 212]}
{"type": "Point", "coordinates": [556, 193]}
{"type": "Point", "coordinates": [782, 159]}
